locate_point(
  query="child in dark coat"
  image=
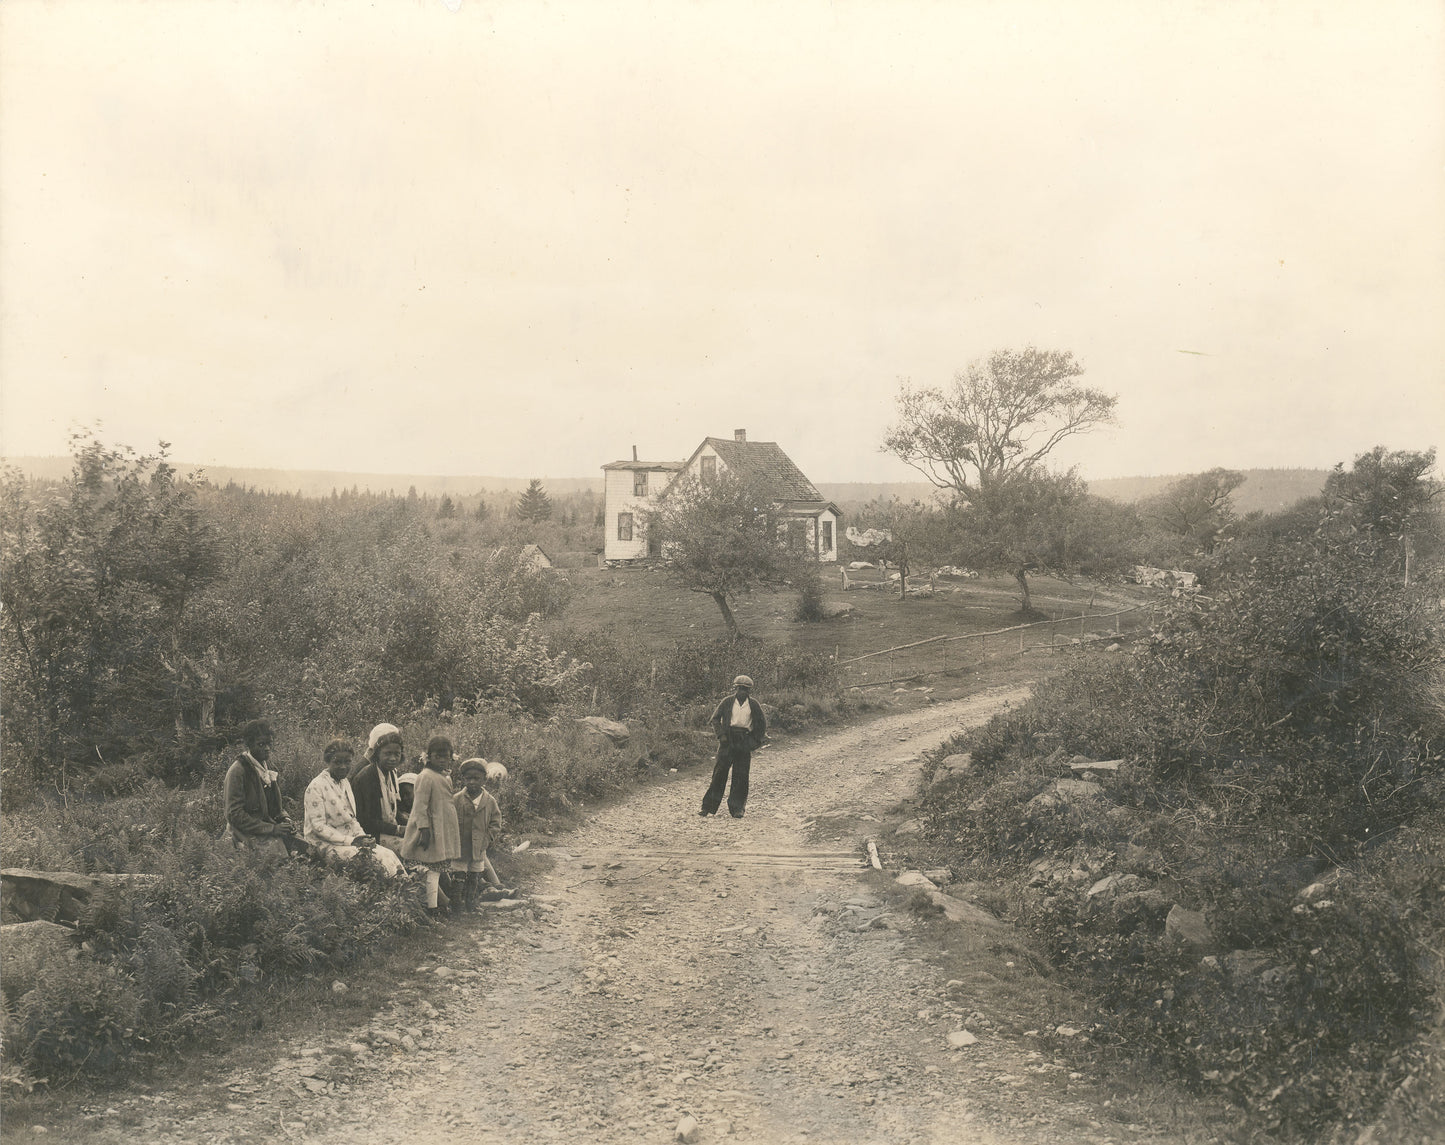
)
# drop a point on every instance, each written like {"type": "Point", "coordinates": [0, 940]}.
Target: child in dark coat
{"type": "Point", "coordinates": [479, 820]}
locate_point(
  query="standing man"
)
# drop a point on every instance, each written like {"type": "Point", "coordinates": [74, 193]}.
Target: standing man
{"type": "Point", "coordinates": [740, 728]}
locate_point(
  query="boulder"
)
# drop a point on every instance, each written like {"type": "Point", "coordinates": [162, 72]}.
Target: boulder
{"type": "Point", "coordinates": [856, 565]}
{"type": "Point", "coordinates": [909, 827]}
{"type": "Point", "coordinates": [835, 611]}
{"type": "Point", "coordinates": [1143, 908]}
{"type": "Point", "coordinates": [26, 948]}
{"type": "Point", "coordinates": [1082, 766]}
{"type": "Point", "coordinates": [915, 879]}
{"type": "Point", "coordinates": [957, 1039]}
{"type": "Point", "coordinates": [939, 875]}
{"type": "Point", "coordinates": [1116, 884]}
{"type": "Point", "coordinates": [687, 1130]}
{"type": "Point", "coordinates": [1189, 928]}
{"type": "Point", "coordinates": [958, 761]}
{"type": "Point", "coordinates": [1245, 963]}
{"type": "Point", "coordinates": [1066, 790]}
{"type": "Point", "coordinates": [57, 896]}
{"type": "Point", "coordinates": [613, 730]}
{"type": "Point", "coordinates": [956, 910]}
{"type": "Point", "coordinates": [1078, 788]}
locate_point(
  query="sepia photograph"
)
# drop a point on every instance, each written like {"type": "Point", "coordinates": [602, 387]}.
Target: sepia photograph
{"type": "Point", "coordinates": [815, 572]}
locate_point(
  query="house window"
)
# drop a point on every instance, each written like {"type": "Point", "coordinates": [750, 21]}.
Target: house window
{"type": "Point", "coordinates": [709, 470]}
{"type": "Point", "coordinates": [827, 536]}
{"type": "Point", "coordinates": [624, 526]}
{"type": "Point", "coordinates": [639, 483]}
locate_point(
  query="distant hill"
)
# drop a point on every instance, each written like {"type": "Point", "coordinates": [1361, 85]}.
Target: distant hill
{"type": "Point", "coordinates": [1266, 490]}
{"type": "Point", "coordinates": [320, 482]}
{"type": "Point", "coordinates": [860, 492]}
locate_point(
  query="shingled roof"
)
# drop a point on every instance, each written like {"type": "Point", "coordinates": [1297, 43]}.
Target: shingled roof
{"type": "Point", "coordinates": [765, 460]}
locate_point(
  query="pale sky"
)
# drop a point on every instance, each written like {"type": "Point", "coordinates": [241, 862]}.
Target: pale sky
{"type": "Point", "coordinates": [519, 238]}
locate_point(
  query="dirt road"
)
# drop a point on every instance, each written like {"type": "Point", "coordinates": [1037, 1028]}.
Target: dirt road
{"type": "Point", "coordinates": [752, 975]}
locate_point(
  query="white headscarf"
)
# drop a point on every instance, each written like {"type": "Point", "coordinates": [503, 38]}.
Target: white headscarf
{"type": "Point", "coordinates": [378, 732]}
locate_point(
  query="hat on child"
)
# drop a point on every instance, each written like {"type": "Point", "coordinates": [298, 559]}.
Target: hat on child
{"type": "Point", "coordinates": [474, 767]}
{"type": "Point", "coordinates": [407, 780]}
{"type": "Point", "coordinates": [742, 681]}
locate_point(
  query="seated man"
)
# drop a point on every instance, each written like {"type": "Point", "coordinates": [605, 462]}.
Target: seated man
{"type": "Point", "coordinates": [331, 825]}
{"type": "Point", "coordinates": [254, 817]}
{"type": "Point", "coordinates": [374, 786]}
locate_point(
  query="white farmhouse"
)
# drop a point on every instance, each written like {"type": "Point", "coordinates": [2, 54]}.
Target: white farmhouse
{"type": "Point", "coordinates": [630, 489]}
{"type": "Point", "coordinates": [633, 487]}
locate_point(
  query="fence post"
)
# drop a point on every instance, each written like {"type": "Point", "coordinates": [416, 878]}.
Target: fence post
{"type": "Point", "coordinates": [1051, 637]}
{"type": "Point", "coordinates": [890, 667]}
{"type": "Point", "coordinates": [1081, 627]}
{"type": "Point", "coordinates": [1021, 640]}
{"type": "Point", "coordinates": [944, 672]}
{"type": "Point", "coordinates": [1116, 624]}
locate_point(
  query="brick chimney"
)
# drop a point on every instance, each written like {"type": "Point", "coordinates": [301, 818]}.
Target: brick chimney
{"type": "Point", "coordinates": [740, 435]}
{"type": "Point", "coordinates": [634, 453]}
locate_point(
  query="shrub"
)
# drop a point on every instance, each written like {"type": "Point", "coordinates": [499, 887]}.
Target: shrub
{"type": "Point", "coordinates": [1285, 726]}
{"type": "Point", "coordinates": [810, 598]}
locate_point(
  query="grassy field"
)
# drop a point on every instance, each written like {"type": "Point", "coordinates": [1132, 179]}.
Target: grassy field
{"type": "Point", "coordinates": [643, 603]}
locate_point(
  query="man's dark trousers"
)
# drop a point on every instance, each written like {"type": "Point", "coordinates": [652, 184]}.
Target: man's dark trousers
{"type": "Point", "coordinates": [735, 753]}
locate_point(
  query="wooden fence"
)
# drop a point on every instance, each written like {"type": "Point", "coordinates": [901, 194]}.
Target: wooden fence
{"type": "Point", "coordinates": [939, 655]}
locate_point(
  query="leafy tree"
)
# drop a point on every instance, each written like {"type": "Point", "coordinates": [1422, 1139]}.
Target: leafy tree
{"type": "Point", "coordinates": [918, 536]}
{"type": "Point", "coordinates": [1388, 493]}
{"type": "Point", "coordinates": [100, 579]}
{"type": "Point", "coordinates": [1029, 523]}
{"type": "Point", "coordinates": [722, 539]}
{"type": "Point", "coordinates": [987, 439]}
{"type": "Point", "coordinates": [1196, 511]}
{"type": "Point", "coordinates": [533, 505]}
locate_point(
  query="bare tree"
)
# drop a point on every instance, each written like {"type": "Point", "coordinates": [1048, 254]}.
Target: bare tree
{"type": "Point", "coordinates": [1001, 417]}
{"type": "Point", "coordinates": [987, 438]}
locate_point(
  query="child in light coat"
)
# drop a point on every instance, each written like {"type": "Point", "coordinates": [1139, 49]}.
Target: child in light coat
{"type": "Point", "coordinates": [433, 836]}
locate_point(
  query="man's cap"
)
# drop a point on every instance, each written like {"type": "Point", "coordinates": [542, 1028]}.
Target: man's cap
{"type": "Point", "coordinates": [474, 767]}
{"type": "Point", "coordinates": [743, 681]}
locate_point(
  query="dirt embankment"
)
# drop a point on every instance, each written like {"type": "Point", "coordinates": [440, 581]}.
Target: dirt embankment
{"type": "Point", "coordinates": [752, 975]}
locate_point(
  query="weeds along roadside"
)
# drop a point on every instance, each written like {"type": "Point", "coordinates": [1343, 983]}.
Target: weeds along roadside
{"type": "Point", "coordinates": [1253, 892]}
{"type": "Point", "coordinates": [186, 956]}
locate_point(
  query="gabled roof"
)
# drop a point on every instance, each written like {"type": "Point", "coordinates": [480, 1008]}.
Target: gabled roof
{"type": "Point", "coordinates": [761, 459]}
{"type": "Point", "coordinates": [811, 508]}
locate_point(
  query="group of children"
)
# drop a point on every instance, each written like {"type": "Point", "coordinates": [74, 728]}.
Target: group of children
{"type": "Point", "coordinates": [449, 832]}
{"type": "Point", "coordinates": [417, 819]}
